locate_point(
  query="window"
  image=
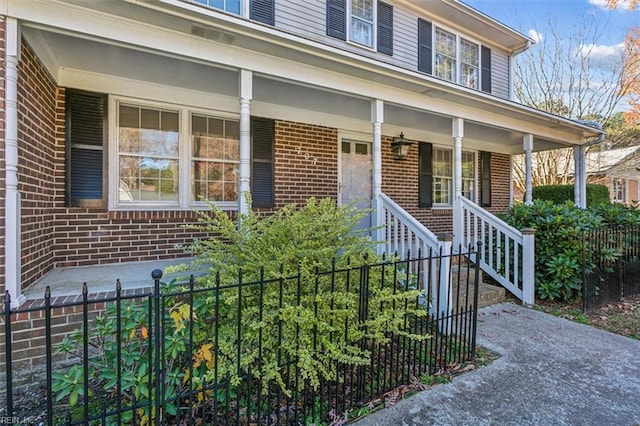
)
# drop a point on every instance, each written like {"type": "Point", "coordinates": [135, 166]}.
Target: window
{"type": "Point", "coordinates": [148, 141]}
{"type": "Point", "coordinates": [178, 158]}
{"type": "Point", "coordinates": [369, 23]}
{"type": "Point", "coordinates": [619, 190]}
{"type": "Point", "coordinates": [232, 6]}
{"type": "Point", "coordinates": [445, 55]}
{"type": "Point", "coordinates": [436, 175]}
{"type": "Point", "coordinates": [259, 10]}
{"type": "Point", "coordinates": [215, 153]}
{"type": "Point", "coordinates": [448, 56]}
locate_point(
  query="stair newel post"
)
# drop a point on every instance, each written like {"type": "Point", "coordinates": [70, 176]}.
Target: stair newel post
{"type": "Point", "coordinates": [528, 267]}
{"type": "Point", "coordinates": [442, 293]}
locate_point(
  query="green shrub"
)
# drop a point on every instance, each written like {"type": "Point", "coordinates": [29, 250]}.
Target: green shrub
{"type": "Point", "coordinates": [558, 244]}
{"type": "Point", "coordinates": [297, 315]}
{"type": "Point", "coordinates": [559, 194]}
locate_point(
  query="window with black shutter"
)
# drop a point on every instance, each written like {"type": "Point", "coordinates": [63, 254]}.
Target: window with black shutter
{"type": "Point", "coordinates": [262, 140]}
{"type": "Point", "coordinates": [262, 11]}
{"type": "Point", "coordinates": [337, 19]}
{"type": "Point", "coordinates": [425, 173]}
{"type": "Point", "coordinates": [485, 179]}
{"type": "Point", "coordinates": [485, 59]}
{"type": "Point", "coordinates": [425, 46]}
{"type": "Point", "coordinates": [86, 115]}
{"type": "Point", "coordinates": [385, 28]}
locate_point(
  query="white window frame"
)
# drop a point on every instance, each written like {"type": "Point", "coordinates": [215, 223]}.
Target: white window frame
{"type": "Point", "coordinates": [244, 7]}
{"type": "Point", "coordinates": [374, 25]}
{"type": "Point", "coordinates": [458, 56]}
{"type": "Point", "coordinates": [619, 186]}
{"type": "Point", "coordinates": [184, 155]}
{"type": "Point", "coordinates": [474, 194]}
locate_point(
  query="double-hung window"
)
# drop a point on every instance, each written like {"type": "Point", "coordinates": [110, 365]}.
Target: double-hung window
{"type": "Point", "coordinates": [368, 23]}
{"type": "Point", "coordinates": [619, 190]}
{"type": "Point", "coordinates": [257, 10]}
{"type": "Point", "coordinates": [361, 17]}
{"type": "Point", "coordinates": [148, 155]}
{"type": "Point", "coordinates": [176, 157]}
{"type": "Point", "coordinates": [440, 170]}
{"type": "Point", "coordinates": [451, 57]}
{"type": "Point", "coordinates": [456, 59]}
{"type": "Point", "coordinates": [232, 6]}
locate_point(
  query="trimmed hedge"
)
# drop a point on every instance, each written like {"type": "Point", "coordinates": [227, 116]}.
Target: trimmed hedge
{"type": "Point", "coordinates": [559, 194]}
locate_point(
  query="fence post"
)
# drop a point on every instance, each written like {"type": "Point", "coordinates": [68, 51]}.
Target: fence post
{"type": "Point", "coordinates": [8, 361]}
{"type": "Point", "coordinates": [528, 267]}
{"type": "Point", "coordinates": [443, 294]}
{"type": "Point", "coordinates": [156, 274]}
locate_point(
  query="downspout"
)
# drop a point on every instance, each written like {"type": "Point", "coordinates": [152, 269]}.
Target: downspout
{"type": "Point", "coordinates": [515, 53]}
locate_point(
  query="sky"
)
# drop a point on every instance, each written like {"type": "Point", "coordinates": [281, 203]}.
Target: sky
{"type": "Point", "coordinates": [525, 16]}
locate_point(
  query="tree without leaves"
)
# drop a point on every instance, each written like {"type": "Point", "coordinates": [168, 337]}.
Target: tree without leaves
{"type": "Point", "coordinates": [561, 75]}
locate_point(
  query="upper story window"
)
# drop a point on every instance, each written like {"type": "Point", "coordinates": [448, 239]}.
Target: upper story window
{"type": "Point", "coordinates": [453, 58]}
{"type": "Point", "coordinates": [232, 6]}
{"type": "Point", "coordinates": [256, 10]}
{"type": "Point", "coordinates": [365, 22]}
{"type": "Point", "coordinates": [362, 22]}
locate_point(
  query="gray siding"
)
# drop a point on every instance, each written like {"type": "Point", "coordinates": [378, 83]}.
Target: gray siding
{"type": "Point", "coordinates": [500, 73]}
{"type": "Point", "coordinates": [307, 18]}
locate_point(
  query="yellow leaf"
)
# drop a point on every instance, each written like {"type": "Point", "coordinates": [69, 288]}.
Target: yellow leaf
{"type": "Point", "coordinates": [177, 320]}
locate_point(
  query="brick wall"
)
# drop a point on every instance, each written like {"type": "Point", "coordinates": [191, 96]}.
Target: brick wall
{"type": "Point", "coordinates": [400, 182]}
{"type": "Point", "coordinates": [306, 162]}
{"type": "Point", "coordinates": [36, 164]}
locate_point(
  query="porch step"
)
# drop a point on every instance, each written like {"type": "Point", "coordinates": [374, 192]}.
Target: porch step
{"type": "Point", "coordinates": [487, 294]}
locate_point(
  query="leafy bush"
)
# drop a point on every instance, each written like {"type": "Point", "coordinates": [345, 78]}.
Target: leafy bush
{"type": "Point", "coordinates": [559, 194]}
{"type": "Point", "coordinates": [559, 241]}
{"type": "Point", "coordinates": [287, 313]}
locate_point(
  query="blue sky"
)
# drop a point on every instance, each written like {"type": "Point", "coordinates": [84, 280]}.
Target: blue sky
{"type": "Point", "coordinates": [526, 15]}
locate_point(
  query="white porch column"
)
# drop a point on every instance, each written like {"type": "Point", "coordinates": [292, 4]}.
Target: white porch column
{"type": "Point", "coordinates": [246, 94]}
{"type": "Point", "coordinates": [527, 142]}
{"type": "Point", "coordinates": [458, 220]}
{"type": "Point", "coordinates": [377, 118]}
{"type": "Point", "coordinates": [12, 201]}
{"type": "Point", "coordinates": [580, 176]}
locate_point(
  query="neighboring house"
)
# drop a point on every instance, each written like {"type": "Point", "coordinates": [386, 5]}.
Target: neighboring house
{"type": "Point", "coordinates": [619, 170]}
{"type": "Point", "coordinates": [120, 117]}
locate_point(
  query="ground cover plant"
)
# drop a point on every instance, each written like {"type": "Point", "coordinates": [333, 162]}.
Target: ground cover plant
{"type": "Point", "coordinates": [263, 322]}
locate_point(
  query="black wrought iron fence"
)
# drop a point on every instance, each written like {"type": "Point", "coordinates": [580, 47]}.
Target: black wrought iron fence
{"type": "Point", "coordinates": [611, 265]}
{"type": "Point", "coordinates": [300, 349]}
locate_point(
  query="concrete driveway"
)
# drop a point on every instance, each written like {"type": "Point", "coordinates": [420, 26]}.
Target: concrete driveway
{"type": "Point", "coordinates": [551, 372]}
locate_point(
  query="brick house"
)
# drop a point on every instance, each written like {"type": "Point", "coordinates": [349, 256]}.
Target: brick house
{"type": "Point", "coordinates": [120, 117]}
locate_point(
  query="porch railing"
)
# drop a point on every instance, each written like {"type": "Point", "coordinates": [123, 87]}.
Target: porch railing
{"type": "Point", "coordinates": [508, 255]}
{"type": "Point", "coordinates": [398, 232]}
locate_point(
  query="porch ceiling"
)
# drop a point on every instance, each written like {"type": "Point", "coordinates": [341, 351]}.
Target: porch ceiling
{"type": "Point", "coordinates": [61, 51]}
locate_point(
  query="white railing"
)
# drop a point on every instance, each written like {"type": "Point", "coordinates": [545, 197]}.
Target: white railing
{"type": "Point", "coordinates": [508, 255]}
{"type": "Point", "coordinates": [400, 233]}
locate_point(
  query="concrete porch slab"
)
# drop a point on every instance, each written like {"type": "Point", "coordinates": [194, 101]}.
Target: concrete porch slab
{"type": "Point", "coordinates": [101, 278]}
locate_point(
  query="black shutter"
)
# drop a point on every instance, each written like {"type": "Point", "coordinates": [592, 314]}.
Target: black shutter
{"type": "Point", "coordinates": [485, 179]}
{"type": "Point", "coordinates": [262, 11]}
{"type": "Point", "coordinates": [425, 46]}
{"type": "Point", "coordinates": [385, 28]}
{"type": "Point", "coordinates": [262, 137]}
{"type": "Point", "coordinates": [485, 59]}
{"type": "Point", "coordinates": [425, 172]}
{"type": "Point", "coordinates": [337, 19]}
{"type": "Point", "coordinates": [85, 138]}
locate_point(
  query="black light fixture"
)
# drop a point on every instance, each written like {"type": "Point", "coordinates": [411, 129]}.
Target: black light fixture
{"type": "Point", "coordinates": [400, 147]}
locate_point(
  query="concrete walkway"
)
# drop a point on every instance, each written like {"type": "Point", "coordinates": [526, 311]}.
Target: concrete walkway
{"type": "Point", "coordinates": [551, 372]}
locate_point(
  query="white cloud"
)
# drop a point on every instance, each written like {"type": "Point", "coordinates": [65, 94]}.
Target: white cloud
{"type": "Point", "coordinates": [535, 36]}
{"type": "Point", "coordinates": [622, 4]}
{"type": "Point", "coordinates": [603, 55]}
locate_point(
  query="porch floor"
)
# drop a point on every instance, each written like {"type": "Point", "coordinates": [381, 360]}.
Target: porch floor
{"type": "Point", "coordinates": [100, 278]}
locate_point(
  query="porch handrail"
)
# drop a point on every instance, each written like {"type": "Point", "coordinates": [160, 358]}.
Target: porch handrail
{"type": "Point", "coordinates": [508, 254]}
{"type": "Point", "coordinates": [403, 231]}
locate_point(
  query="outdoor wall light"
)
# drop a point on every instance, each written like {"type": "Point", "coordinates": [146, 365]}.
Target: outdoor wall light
{"type": "Point", "coordinates": [400, 147]}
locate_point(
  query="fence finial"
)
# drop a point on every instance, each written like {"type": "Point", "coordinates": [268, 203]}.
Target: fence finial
{"type": "Point", "coordinates": [156, 274]}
